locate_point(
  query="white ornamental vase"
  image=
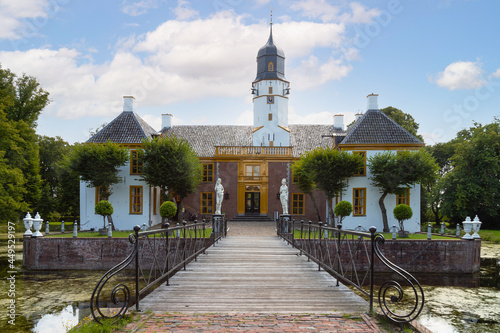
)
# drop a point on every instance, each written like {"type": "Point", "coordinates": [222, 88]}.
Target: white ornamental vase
{"type": "Point", "coordinates": [467, 224]}
{"type": "Point", "coordinates": [28, 222]}
{"type": "Point", "coordinates": [476, 225]}
{"type": "Point", "coordinates": [37, 225]}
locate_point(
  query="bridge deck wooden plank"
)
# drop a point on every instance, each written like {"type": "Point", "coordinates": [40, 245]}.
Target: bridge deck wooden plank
{"type": "Point", "coordinates": [253, 274]}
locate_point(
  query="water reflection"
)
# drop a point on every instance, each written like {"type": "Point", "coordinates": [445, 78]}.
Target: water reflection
{"type": "Point", "coordinates": [60, 322]}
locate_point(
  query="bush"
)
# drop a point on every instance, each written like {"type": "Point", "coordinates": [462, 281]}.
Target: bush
{"type": "Point", "coordinates": [343, 209]}
{"type": "Point", "coordinates": [401, 213]}
{"type": "Point", "coordinates": [168, 209]}
{"type": "Point", "coordinates": [104, 208]}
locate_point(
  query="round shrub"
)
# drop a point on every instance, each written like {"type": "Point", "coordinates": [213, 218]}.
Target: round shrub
{"type": "Point", "coordinates": [104, 208]}
{"type": "Point", "coordinates": [401, 213]}
{"type": "Point", "coordinates": [343, 208]}
{"type": "Point", "coordinates": [168, 209]}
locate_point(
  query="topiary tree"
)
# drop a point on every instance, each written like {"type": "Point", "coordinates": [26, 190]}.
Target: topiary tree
{"type": "Point", "coordinates": [168, 209]}
{"type": "Point", "coordinates": [343, 209]}
{"type": "Point", "coordinates": [401, 213]}
{"type": "Point", "coordinates": [104, 208]}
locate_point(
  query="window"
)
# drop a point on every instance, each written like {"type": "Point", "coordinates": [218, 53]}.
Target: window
{"type": "Point", "coordinates": [207, 202]}
{"type": "Point", "coordinates": [135, 164]}
{"type": "Point", "coordinates": [99, 190]}
{"type": "Point", "coordinates": [270, 90]}
{"type": "Point", "coordinates": [362, 170]}
{"type": "Point", "coordinates": [208, 172]}
{"type": "Point", "coordinates": [252, 171]}
{"type": "Point", "coordinates": [270, 116]}
{"type": "Point", "coordinates": [270, 66]}
{"type": "Point", "coordinates": [297, 203]}
{"type": "Point", "coordinates": [136, 199]}
{"type": "Point", "coordinates": [359, 200]}
{"type": "Point", "coordinates": [403, 198]}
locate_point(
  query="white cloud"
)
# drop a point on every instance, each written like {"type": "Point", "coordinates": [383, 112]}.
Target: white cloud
{"type": "Point", "coordinates": [179, 61]}
{"type": "Point", "coordinates": [23, 18]}
{"type": "Point", "coordinates": [138, 7]}
{"type": "Point", "coordinates": [183, 11]}
{"type": "Point", "coordinates": [496, 74]}
{"type": "Point", "coordinates": [460, 75]}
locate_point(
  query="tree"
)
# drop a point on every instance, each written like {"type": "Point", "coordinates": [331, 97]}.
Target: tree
{"type": "Point", "coordinates": [168, 209]}
{"type": "Point", "coordinates": [98, 164]}
{"type": "Point", "coordinates": [393, 173]}
{"type": "Point", "coordinates": [405, 120]}
{"type": "Point", "coordinates": [303, 174]}
{"type": "Point", "coordinates": [171, 164]}
{"type": "Point", "coordinates": [104, 208]}
{"type": "Point", "coordinates": [330, 170]}
{"type": "Point", "coordinates": [472, 187]}
{"type": "Point", "coordinates": [402, 213]}
{"type": "Point", "coordinates": [11, 192]}
{"type": "Point", "coordinates": [343, 209]}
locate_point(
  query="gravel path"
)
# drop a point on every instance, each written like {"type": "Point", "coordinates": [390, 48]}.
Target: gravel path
{"type": "Point", "coordinates": [251, 229]}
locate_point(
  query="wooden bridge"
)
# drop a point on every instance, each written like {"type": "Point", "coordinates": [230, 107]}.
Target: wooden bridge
{"type": "Point", "coordinates": [253, 275]}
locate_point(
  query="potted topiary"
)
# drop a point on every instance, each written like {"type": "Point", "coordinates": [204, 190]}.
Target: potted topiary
{"type": "Point", "coordinates": [104, 208]}
{"type": "Point", "coordinates": [402, 213]}
{"type": "Point", "coordinates": [343, 209]}
{"type": "Point", "coordinates": [168, 210]}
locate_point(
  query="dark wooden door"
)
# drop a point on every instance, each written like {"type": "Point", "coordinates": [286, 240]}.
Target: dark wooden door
{"type": "Point", "coordinates": [252, 203]}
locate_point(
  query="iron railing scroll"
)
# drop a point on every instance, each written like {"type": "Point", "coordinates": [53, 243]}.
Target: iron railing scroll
{"type": "Point", "coordinates": [156, 256]}
{"type": "Point", "coordinates": [349, 255]}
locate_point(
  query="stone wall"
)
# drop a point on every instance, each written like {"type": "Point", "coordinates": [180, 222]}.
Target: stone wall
{"type": "Point", "coordinates": [415, 256]}
{"type": "Point", "coordinates": [51, 253]}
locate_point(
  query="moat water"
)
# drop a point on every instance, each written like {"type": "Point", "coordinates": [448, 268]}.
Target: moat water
{"type": "Point", "coordinates": [55, 301]}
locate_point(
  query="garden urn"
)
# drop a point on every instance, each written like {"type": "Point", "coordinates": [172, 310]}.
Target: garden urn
{"type": "Point", "coordinates": [37, 225]}
{"type": "Point", "coordinates": [28, 222]}
{"type": "Point", "coordinates": [476, 225]}
{"type": "Point", "coordinates": [467, 228]}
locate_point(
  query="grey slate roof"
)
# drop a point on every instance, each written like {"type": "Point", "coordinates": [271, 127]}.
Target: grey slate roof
{"type": "Point", "coordinates": [204, 138]}
{"type": "Point", "coordinates": [128, 127]}
{"type": "Point", "coordinates": [374, 127]}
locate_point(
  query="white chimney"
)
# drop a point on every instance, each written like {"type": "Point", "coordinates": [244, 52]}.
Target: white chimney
{"type": "Point", "coordinates": [338, 121]}
{"type": "Point", "coordinates": [166, 120]}
{"type": "Point", "coordinates": [128, 103]}
{"type": "Point", "coordinates": [372, 102]}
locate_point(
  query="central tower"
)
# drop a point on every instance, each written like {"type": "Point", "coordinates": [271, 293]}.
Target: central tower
{"type": "Point", "coordinates": [270, 102]}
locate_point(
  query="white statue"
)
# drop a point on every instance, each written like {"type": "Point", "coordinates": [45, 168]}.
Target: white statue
{"type": "Point", "coordinates": [219, 190]}
{"type": "Point", "coordinates": [284, 196]}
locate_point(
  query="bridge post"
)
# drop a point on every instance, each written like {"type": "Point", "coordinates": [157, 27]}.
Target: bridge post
{"type": "Point", "coordinates": [136, 230]}
{"type": "Point", "coordinates": [372, 265]}
{"type": "Point", "coordinates": [339, 227]}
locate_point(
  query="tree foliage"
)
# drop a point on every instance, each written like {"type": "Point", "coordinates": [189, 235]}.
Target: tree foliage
{"type": "Point", "coordinates": [472, 186]}
{"type": "Point", "coordinates": [393, 173]}
{"type": "Point", "coordinates": [302, 172]}
{"type": "Point", "coordinates": [21, 102]}
{"type": "Point", "coordinates": [104, 208]}
{"type": "Point", "coordinates": [343, 209]}
{"type": "Point", "coordinates": [168, 209]}
{"type": "Point", "coordinates": [330, 169]}
{"type": "Point", "coordinates": [171, 164]}
{"type": "Point", "coordinates": [98, 164]}
{"type": "Point", "coordinates": [402, 213]}
{"type": "Point", "coordinates": [405, 120]}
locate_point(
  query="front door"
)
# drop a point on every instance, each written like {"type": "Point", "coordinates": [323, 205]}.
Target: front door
{"type": "Point", "coordinates": [252, 202]}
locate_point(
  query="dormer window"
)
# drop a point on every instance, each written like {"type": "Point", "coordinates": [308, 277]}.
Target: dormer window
{"type": "Point", "coordinates": [270, 66]}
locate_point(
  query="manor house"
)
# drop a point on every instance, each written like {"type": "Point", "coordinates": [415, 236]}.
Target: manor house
{"type": "Point", "coordinates": [252, 160]}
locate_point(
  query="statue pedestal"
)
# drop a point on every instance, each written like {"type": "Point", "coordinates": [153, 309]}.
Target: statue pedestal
{"type": "Point", "coordinates": [284, 220]}
{"type": "Point", "coordinates": [218, 224]}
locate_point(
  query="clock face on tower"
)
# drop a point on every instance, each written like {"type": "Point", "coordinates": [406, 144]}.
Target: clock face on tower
{"type": "Point", "coordinates": [270, 99]}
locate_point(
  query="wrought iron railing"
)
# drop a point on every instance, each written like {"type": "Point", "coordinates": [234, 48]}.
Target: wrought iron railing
{"type": "Point", "coordinates": [156, 256]}
{"type": "Point", "coordinates": [349, 255]}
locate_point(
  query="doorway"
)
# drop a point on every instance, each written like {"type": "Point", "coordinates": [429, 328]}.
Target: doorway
{"type": "Point", "coordinates": [252, 202]}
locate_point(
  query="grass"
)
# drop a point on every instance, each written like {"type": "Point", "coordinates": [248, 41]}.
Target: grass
{"type": "Point", "coordinates": [490, 235]}
{"type": "Point", "coordinates": [87, 325]}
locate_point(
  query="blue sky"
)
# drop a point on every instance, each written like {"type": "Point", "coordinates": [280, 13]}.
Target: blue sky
{"type": "Point", "coordinates": [438, 60]}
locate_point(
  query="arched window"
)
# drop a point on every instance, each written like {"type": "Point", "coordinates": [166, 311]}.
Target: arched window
{"type": "Point", "coordinates": [270, 66]}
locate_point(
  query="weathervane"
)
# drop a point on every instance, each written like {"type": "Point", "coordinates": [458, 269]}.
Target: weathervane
{"type": "Point", "coordinates": [271, 15]}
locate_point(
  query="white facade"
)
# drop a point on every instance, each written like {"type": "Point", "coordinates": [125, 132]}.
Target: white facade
{"type": "Point", "coordinates": [120, 198]}
{"type": "Point", "coordinates": [270, 113]}
{"type": "Point", "coordinates": [373, 214]}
